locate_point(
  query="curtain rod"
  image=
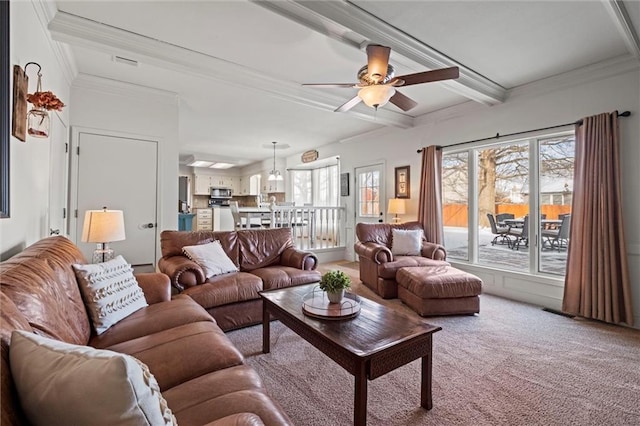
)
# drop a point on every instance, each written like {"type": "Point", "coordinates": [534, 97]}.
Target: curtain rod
{"type": "Point", "coordinates": [498, 135]}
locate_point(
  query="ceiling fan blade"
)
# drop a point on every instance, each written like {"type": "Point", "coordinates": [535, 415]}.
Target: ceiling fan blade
{"type": "Point", "coordinates": [403, 102]}
{"type": "Point", "coordinates": [348, 105]}
{"type": "Point", "coordinates": [330, 85]}
{"type": "Point", "coordinates": [377, 61]}
{"type": "Point", "coordinates": [429, 76]}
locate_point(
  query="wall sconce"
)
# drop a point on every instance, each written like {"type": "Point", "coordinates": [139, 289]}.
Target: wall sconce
{"type": "Point", "coordinates": [37, 120]}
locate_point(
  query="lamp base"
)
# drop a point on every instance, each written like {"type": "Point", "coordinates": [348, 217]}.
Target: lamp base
{"type": "Point", "coordinates": [102, 254]}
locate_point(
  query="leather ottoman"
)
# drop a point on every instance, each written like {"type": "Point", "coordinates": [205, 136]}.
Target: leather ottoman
{"type": "Point", "coordinates": [439, 290]}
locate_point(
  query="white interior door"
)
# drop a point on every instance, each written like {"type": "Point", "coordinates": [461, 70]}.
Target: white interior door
{"type": "Point", "coordinates": [370, 193]}
{"type": "Point", "coordinates": [58, 176]}
{"type": "Point", "coordinates": [121, 174]}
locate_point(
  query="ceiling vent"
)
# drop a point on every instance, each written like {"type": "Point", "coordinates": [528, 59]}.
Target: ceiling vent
{"type": "Point", "coordinates": [125, 61]}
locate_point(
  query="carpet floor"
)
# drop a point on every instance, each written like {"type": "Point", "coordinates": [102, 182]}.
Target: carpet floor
{"type": "Point", "coordinates": [513, 364]}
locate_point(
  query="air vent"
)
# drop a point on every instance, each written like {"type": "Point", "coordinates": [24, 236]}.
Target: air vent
{"type": "Point", "coordinates": [125, 61]}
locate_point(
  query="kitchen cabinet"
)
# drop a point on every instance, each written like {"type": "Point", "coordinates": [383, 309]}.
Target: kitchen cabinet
{"type": "Point", "coordinates": [201, 184]}
{"type": "Point", "coordinates": [204, 219]}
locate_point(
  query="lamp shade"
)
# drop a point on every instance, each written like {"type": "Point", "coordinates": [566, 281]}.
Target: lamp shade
{"type": "Point", "coordinates": [377, 95]}
{"type": "Point", "coordinates": [103, 226]}
{"type": "Point", "coordinates": [396, 206]}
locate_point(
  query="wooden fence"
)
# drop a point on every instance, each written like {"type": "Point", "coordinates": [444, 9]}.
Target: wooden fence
{"type": "Point", "coordinates": [457, 214]}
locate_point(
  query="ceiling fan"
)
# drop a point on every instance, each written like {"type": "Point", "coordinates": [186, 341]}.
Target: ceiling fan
{"type": "Point", "coordinates": [378, 83]}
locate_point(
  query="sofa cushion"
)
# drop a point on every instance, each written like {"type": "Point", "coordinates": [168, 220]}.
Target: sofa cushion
{"type": "Point", "coordinates": [171, 242]}
{"type": "Point", "coordinates": [388, 270]}
{"type": "Point", "coordinates": [225, 289]}
{"type": "Point", "coordinates": [285, 276]}
{"type": "Point", "coordinates": [406, 242]}
{"type": "Point", "coordinates": [211, 258]}
{"type": "Point", "coordinates": [69, 384]}
{"type": "Point", "coordinates": [261, 248]}
{"type": "Point", "coordinates": [43, 286]}
{"type": "Point", "coordinates": [183, 353]}
{"type": "Point", "coordinates": [152, 319]}
{"type": "Point", "coordinates": [110, 291]}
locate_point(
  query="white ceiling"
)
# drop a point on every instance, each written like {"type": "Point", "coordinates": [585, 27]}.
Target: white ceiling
{"type": "Point", "coordinates": [238, 66]}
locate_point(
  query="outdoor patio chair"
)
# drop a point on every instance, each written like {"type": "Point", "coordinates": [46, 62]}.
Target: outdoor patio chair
{"type": "Point", "coordinates": [502, 216]}
{"type": "Point", "coordinates": [521, 234]}
{"type": "Point", "coordinates": [558, 238]}
{"type": "Point", "coordinates": [500, 232]}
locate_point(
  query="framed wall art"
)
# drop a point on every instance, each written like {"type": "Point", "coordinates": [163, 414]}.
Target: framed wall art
{"type": "Point", "coordinates": [344, 184]}
{"type": "Point", "coordinates": [403, 188]}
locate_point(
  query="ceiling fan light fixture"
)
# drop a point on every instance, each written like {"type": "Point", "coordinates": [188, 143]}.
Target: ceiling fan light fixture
{"type": "Point", "coordinates": [377, 95]}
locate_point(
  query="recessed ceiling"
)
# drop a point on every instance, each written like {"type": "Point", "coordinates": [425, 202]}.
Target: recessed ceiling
{"type": "Point", "coordinates": [238, 66]}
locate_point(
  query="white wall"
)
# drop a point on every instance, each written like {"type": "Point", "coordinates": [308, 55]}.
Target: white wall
{"type": "Point", "coordinates": [29, 161]}
{"type": "Point", "coordinates": [558, 100]}
{"type": "Point", "coordinates": [135, 110]}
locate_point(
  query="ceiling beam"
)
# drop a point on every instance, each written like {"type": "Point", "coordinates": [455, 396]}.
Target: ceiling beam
{"type": "Point", "coordinates": [624, 24]}
{"type": "Point", "coordinates": [87, 33]}
{"type": "Point", "coordinates": [340, 19]}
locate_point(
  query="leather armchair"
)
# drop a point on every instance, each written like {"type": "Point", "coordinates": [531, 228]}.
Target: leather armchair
{"type": "Point", "coordinates": [378, 266]}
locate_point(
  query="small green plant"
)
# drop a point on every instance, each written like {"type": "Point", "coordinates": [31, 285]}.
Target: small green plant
{"type": "Point", "coordinates": [333, 281]}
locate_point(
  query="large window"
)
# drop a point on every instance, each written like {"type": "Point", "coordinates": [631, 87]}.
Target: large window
{"type": "Point", "coordinates": [319, 187]}
{"type": "Point", "coordinates": [515, 213]}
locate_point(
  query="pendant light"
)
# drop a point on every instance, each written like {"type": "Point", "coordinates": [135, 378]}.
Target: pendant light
{"type": "Point", "coordinates": [274, 175]}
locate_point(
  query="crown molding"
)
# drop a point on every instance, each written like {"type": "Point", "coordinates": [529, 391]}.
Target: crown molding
{"type": "Point", "coordinates": [584, 75]}
{"type": "Point", "coordinates": [350, 18]}
{"type": "Point", "coordinates": [624, 24]}
{"type": "Point", "coordinates": [83, 32]}
{"type": "Point", "coordinates": [120, 88]}
{"type": "Point", "coordinates": [45, 11]}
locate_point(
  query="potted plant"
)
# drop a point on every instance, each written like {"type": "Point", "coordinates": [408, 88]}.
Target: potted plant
{"type": "Point", "coordinates": [335, 283]}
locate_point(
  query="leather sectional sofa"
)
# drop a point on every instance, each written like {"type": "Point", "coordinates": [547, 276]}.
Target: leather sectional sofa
{"type": "Point", "coordinates": [201, 375]}
{"type": "Point", "coordinates": [266, 259]}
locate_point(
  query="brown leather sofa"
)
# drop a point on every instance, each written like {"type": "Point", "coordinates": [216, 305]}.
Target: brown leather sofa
{"type": "Point", "coordinates": [266, 259]}
{"type": "Point", "coordinates": [201, 374]}
{"type": "Point", "coordinates": [378, 266]}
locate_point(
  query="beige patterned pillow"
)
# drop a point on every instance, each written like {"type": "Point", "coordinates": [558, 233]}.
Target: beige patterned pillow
{"type": "Point", "coordinates": [110, 291]}
{"type": "Point", "coordinates": [211, 258]}
{"type": "Point", "coordinates": [65, 384]}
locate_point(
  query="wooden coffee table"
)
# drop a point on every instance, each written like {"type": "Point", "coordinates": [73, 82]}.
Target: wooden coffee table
{"type": "Point", "coordinates": [377, 341]}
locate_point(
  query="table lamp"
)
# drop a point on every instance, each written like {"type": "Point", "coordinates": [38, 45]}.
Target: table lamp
{"type": "Point", "coordinates": [102, 227]}
{"type": "Point", "coordinates": [396, 206]}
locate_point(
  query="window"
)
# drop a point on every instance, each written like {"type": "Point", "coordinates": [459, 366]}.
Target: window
{"type": "Point", "coordinates": [369, 193]}
{"type": "Point", "coordinates": [318, 186]}
{"type": "Point", "coordinates": [526, 187]}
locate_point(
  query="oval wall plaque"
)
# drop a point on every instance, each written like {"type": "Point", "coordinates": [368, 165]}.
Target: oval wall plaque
{"type": "Point", "coordinates": [309, 156]}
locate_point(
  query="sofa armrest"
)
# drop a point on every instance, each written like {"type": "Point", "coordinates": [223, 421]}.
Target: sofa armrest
{"type": "Point", "coordinates": [183, 271]}
{"type": "Point", "coordinates": [433, 251]}
{"type": "Point", "coordinates": [239, 419]}
{"type": "Point", "coordinates": [294, 258]}
{"type": "Point", "coordinates": [375, 252]}
{"type": "Point", "coordinates": [155, 286]}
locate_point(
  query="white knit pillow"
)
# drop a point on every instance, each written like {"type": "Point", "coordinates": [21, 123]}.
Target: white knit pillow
{"type": "Point", "coordinates": [65, 384]}
{"type": "Point", "coordinates": [211, 258]}
{"type": "Point", "coordinates": [110, 291]}
{"type": "Point", "coordinates": [406, 242]}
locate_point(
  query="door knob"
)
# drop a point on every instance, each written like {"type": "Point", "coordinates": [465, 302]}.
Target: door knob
{"type": "Point", "coordinates": [148, 225]}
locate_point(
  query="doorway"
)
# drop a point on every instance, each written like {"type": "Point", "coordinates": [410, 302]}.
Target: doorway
{"type": "Point", "coordinates": [118, 172]}
{"type": "Point", "coordinates": [370, 193]}
{"type": "Point", "coordinates": [58, 176]}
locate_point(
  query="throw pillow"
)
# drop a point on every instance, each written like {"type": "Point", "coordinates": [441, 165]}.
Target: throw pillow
{"type": "Point", "coordinates": [110, 291]}
{"type": "Point", "coordinates": [61, 383]}
{"type": "Point", "coordinates": [406, 242]}
{"type": "Point", "coordinates": [211, 258]}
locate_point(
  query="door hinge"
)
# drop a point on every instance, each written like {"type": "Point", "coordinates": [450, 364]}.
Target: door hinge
{"type": "Point", "coordinates": [64, 213]}
{"type": "Point", "coordinates": [66, 148]}
{"type": "Point", "coordinates": [76, 213]}
{"type": "Point", "coordinates": [78, 151]}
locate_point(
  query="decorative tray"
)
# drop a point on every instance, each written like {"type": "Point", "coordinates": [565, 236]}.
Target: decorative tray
{"type": "Point", "coordinates": [316, 304]}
